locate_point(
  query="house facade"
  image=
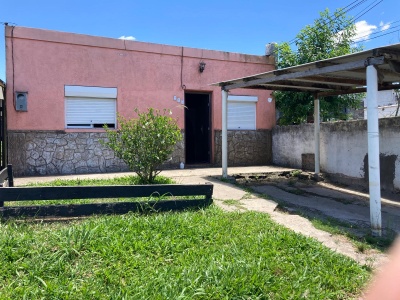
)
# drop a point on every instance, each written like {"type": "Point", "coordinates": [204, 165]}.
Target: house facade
{"type": "Point", "coordinates": [63, 87]}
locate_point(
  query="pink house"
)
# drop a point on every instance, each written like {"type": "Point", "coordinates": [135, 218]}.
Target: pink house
{"type": "Point", "coordinates": [62, 87]}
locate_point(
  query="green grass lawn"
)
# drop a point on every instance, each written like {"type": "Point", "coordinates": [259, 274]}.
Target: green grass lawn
{"type": "Point", "coordinates": [123, 180]}
{"type": "Point", "coordinates": [207, 254]}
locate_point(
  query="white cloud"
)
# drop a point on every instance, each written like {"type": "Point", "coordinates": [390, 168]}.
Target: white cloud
{"type": "Point", "coordinates": [129, 38]}
{"type": "Point", "coordinates": [383, 26]}
{"type": "Point", "coordinates": [363, 31]}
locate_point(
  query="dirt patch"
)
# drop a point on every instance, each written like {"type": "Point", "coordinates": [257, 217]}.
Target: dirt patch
{"type": "Point", "coordinates": [284, 176]}
{"type": "Point", "coordinates": [297, 179]}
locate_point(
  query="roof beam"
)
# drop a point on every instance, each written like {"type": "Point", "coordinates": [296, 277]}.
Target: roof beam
{"type": "Point", "coordinates": [381, 87]}
{"type": "Point", "coordinates": [309, 84]}
{"type": "Point", "coordinates": [388, 54]}
{"type": "Point", "coordinates": [322, 64]}
{"type": "Point", "coordinates": [311, 72]}
{"type": "Point", "coordinates": [273, 87]}
{"type": "Point", "coordinates": [334, 80]}
{"type": "Point", "coordinates": [281, 72]}
{"type": "Point", "coordinates": [249, 79]}
{"type": "Point", "coordinates": [298, 87]}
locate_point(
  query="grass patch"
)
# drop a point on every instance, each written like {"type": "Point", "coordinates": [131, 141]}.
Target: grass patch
{"type": "Point", "coordinates": [231, 202]}
{"type": "Point", "coordinates": [362, 241]}
{"type": "Point", "coordinates": [123, 180]}
{"type": "Point", "coordinates": [248, 195]}
{"type": "Point", "coordinates": [235, 203]}
{"type": "Point", "coordinates": [207, 254]}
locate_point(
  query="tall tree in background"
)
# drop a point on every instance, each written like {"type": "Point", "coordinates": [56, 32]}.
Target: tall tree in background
{"type": "Point", "coordinates": [329, 36]}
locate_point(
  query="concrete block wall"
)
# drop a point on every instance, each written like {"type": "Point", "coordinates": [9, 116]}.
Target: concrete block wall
{"type": "Point", "coordinates": [344, 148]}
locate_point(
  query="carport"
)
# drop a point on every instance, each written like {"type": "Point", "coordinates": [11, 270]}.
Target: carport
{"type": "Point", "coordinates": [367, 71]}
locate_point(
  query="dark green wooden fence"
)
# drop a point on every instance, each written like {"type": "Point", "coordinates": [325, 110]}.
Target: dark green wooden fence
{"type": "Point", "coordinates": [168, 191]}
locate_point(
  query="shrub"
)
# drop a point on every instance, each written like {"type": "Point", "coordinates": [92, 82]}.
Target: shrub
{"type": "Point", "coordinates": [145, 142]}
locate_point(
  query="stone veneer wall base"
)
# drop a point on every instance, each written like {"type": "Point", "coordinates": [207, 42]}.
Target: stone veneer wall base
{"type": "Point", "coordinates": [245, 147]}
{"type": "Point", "coordinates": [57, 152]}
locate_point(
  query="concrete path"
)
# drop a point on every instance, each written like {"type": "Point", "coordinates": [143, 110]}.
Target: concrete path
{"type": "Point", "coordinates": [319, 199]}
{"type": "Point", "coordinates": [179, 174]}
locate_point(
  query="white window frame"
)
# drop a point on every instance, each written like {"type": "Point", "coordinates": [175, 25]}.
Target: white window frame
{"type": "Point", "coordinates": [235, 104]}
{"type": "Point", "coordinates": [105, 99]}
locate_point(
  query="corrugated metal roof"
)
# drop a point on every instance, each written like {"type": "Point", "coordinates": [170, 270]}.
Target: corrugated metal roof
{"type": "Point", "coordinates": [339, 75]}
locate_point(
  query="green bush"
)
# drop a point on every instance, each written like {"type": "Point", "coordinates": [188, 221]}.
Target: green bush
{"type": "Point", "coordinates": [145, 142]}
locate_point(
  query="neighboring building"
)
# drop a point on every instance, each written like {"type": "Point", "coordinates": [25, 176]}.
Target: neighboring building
{"type": "Point", "coordinates": [62, 88]}
{"type": "Point", "coordinates": [387, 104]}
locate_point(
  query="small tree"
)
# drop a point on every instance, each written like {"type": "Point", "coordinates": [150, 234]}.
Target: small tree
{"type": "Point", "coordinates": [329, 36]}
{"type": "Point", "coordinates": [145, 142]}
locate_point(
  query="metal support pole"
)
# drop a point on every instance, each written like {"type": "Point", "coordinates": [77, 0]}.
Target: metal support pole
{"type": "Point", "coordinates": [224, 134]}
{"type": "Point", "coordinates": [373, 151]}
{"type": "Point", "coordinates": [316, 136]}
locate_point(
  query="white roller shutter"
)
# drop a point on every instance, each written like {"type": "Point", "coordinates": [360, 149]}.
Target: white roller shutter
{"type": "Point", "coordinates": [242, 112]}
{"type": "Point", "coordinates": [89, 113]}
{"type": "Point", "coordinates": [88, 107]}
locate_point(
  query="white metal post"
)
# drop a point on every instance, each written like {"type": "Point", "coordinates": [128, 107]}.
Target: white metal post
{"type": "Point", "coordinates": [224, 134]}
{"type": "Point", "coordinates": [316, 136]}
{"type": "Point", "coordinates": [373, 151]}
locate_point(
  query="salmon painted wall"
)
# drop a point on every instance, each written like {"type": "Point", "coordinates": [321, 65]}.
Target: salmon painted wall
{"type": "Point", "coordinates": [146, 75]}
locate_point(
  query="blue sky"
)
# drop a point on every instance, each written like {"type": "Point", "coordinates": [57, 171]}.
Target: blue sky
{"type": "Point", "coordinates": [243, 26]}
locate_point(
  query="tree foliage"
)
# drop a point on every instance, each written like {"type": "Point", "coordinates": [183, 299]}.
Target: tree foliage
{"type": "Point", "coordinates": [329, 36]}
{"type": "Point", "coordinates": [145, 142]}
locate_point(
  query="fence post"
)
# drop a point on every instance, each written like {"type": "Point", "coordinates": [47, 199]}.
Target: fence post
{"type": "Point", "coordinates": [10, 175]}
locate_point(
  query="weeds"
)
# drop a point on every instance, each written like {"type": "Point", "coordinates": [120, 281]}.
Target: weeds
{"type": "Point", "coordinates": [295, 173]}
{"type": "Point", "coordinates": [231, 202]}
{"type": "Point", "coordinates": [363, 241]}
{"type": "Point", "coordinates": [235, 203]}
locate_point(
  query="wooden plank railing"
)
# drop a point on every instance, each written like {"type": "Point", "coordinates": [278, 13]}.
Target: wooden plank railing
{"type": "Point", "coordinates": [151, 192]}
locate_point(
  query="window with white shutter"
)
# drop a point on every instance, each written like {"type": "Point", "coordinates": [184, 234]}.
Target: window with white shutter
{"type": "Point", "coordinates": [242, 112]}
{"type": "Point", "coordinates": [90, 107]}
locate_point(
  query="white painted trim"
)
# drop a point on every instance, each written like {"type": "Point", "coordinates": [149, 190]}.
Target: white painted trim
{"type": "Point", "coordinates": [242, 98]}
{"type": "Point", "coordinates": [90, 92]}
